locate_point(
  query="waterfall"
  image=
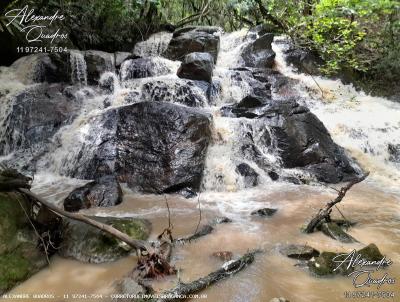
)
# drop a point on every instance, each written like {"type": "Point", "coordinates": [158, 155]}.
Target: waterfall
{"type": "Point", "coordinates": [366, 126]}
{"type": "Point", "coordinates": [78, 67]}
{"type": "Point", "coordinates": [155, 45]}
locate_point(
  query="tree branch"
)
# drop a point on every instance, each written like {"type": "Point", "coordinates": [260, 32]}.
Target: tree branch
{"type": "Point", "coordinates": [326, 211]}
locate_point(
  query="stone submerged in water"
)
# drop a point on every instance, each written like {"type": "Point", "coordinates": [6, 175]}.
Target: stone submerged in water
{"type": "Point", "coordinates": [197, 66]}
{"type": "Point", "coordinates": [103, 192]}
{"type": "Point", "coordinates": [323, 265]}
{"type": "Point", "coordinates": [250, 176]}
{"type": "Point", "coordinates": [20, 256]}
{"type": "Point", "coordinates": [153, 146]}
{"type": "Point", "coordinates": [194, 39]}
{"type": "Point", "coordinates": [88, 244]}
{"type": "Point", "coordinates": [298, 251]}
{"type": "Point", "coordinates": [265, 212]}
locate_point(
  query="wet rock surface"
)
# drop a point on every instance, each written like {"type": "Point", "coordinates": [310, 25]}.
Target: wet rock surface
{"type": "Point", "coordinates": [303, 141]}
{"type": "Point", "coordinates": [36, 114]}
{"type": "Point", "coordinates": [103, 192]}
{"type": "Point", "coordinates": [324, 264]}
{"type": "Point", "coordinates": [197, 66]}
{"type": "Point", "coordinates": [265, 212]}
{"type": "Point", "coordinates": [98, 62]}
{"type": "Point", "coordinates": [143, 68]}
{"type": "Point", "coordinates": [153, 146]}
{"type": "Point", "coordinates": [250, 176]}
{"type": "Point", "coordinates": [394, 153]}
{"type": "Point", "coordinates": [259, 53]}
{"type": "Point", "coordinates": [194, 39]}
{"type": "Point", "coordinates": [88, 244]}
{"type": "Point", "coordinates": [304, 61]}
{"type": "Point", "coordinates": [299, 252]}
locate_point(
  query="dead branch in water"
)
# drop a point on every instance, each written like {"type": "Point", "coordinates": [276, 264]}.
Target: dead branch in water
{"type": "Point", "coordinates": [228, 269]}
{"type": "Point", "coordinates": [136, 244]}
{"type": "Point", "coordinates": [326, 211]}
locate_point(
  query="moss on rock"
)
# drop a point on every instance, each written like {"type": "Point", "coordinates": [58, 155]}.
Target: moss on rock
{"type": "Point", "coordinates": [19, 256]}
{"type": "Point", "coordinates": [89, 244]}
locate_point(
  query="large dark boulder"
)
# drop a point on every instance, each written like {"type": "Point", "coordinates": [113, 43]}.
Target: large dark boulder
{"type": "Point", "coordinates": [35, 114]}
{"type": "Point", "coordinates": [194, 39]}
{"type": "Point", "coordinates": [153, 146]}
{"type": "Point", "coordinates": [143, 68]}
{"type": "Point", "coordinates": [197, 66]}
{"type": "Point", "coordinates": [303, 142]}
{"type": "Point", "coordinates": [304, 61]}
{"type": "Point", "coordinates": [98, 62]}
{"type": "Point", "coordinates": [259, 53]}
{"type": "Point", "coordinates": [103, 192]}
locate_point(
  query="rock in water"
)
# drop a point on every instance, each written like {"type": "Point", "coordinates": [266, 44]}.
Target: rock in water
{"type": "Point", "coordinates": [303, 142]}
{"type": "Point", "coordinates": [143, 68]}
{"type": "Point", "coordinates": [194, 39]}
{"type": "Point", "coordinates": [324, 265]}
{"type": "Point", "coordinates": [36, 114]}
{"type": "Point", "coordinates": [98, 62]}
{"type": "Point", "coordinates": [300, 252]}
{"type": "Point", "coordinates": [265, 212]}
{"type": "Point", "coordinates": [197, 66]}
{"type": "Point", "coordinates": [394, 152]}
{"type": "Point", "coordinates": [259, 53]}
{"type": "Point", "coordinates": [103, 192]}
{"type": "Point", "coordinates": [305, 61]}
{"type": "Point", "coordinates": [249, 175]}
{"type": "Point", "coordinates": [153, 146]}
{"type": "Point", "coordinates": [86, 243]}
{"type": "Point", "coordinates": [334, 231]}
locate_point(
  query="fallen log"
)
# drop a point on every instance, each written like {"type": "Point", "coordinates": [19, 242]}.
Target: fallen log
{"type": "Point", "coordinates": [228, 269]}
{"type": "Point", "coordinates": [326, 211]}
{"type": "Point", "coordinates": [134, 243]}
{"type": "Point", "coordinates": [203, 231]}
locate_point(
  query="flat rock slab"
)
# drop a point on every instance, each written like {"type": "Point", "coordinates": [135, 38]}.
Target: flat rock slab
{"type": "Point", "coordinates": [298, 251]}
{"type": "Point", "coordinates": [265, 212]}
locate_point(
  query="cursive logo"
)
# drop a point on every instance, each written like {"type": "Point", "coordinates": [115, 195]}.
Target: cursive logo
{"type": "Point", "coordinates": [34, 26]}
{"type": "Point", "coordinates": [366, 275]}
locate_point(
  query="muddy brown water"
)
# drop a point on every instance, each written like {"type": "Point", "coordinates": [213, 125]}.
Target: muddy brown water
{"type": "Point", "coordinates": [271, 275]}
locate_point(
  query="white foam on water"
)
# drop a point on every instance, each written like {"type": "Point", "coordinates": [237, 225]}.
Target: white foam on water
{"type": "Point", "coordinates": [362, 124]}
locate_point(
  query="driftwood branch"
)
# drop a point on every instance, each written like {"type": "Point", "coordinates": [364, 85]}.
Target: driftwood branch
{"type": "Point", "coordinates": [326, 211]}
{"type": "Point", "coordinates": [228, 269]}
{"type": "Point", "coordinates": [136, 244]}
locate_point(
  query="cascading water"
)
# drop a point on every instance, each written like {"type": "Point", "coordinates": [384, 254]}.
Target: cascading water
{"type": "Point", "coordinates": [345, 112]}
{"type": "Point", "coordinates": [365, 125]}
{"type": "Point", "coordinates": [78, 67]}
{"type": "Point", "coordinates": [155, 45]}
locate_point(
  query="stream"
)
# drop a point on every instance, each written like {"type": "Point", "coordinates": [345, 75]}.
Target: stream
{"type": "Point", "coordinates": [362, 124]}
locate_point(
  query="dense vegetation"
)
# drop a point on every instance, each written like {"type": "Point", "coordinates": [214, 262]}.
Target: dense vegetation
{"type": "Point", "coordinates": [361, 36]}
